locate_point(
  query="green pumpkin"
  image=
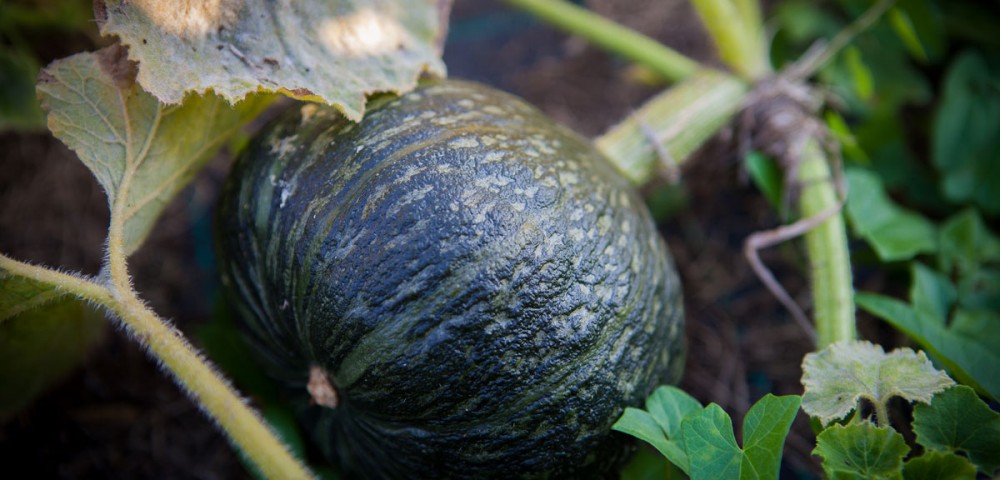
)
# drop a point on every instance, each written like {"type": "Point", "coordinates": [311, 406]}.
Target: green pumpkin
{"type": "Point", "coordinates": [476, 291]}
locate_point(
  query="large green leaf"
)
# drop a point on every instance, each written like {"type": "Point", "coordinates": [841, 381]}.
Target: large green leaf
{"type": "Point", "coordinates": [711, 445]}
{"type": "Point", "coordinates": [894, 233]}
{"type": "Point", "coordinates": [332, 51]}
{"type": "Point", "coordinates": [958, 421]}
{"type": "Point", "coordinates": [966, 147]}
{"type": "Point", "coordinates": [861, 451]}
{"type": "Point", "coordinates": [141, 151]}
{"type": "Point", "coordinates": [840, 375]}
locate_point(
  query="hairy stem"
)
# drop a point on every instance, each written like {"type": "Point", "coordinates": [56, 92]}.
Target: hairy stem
{"type": "Point", "coordinates": [206, 386]}
{"type": "Point", "coordinates": [737, 33]}
{"type": "Point", "coordinates": [672, 125]}
{"type": "Point", "coordinates": [83, 288]}
{"type": "Point", "coordinates": [611, 36]}
{"type": "Point", "coordinates": [826, 245]}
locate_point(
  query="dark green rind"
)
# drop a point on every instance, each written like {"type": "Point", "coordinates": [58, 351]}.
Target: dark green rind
{"type": "Point", "coordinates": [486, 293]}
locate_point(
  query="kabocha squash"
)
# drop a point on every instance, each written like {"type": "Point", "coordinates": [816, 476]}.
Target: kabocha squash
{"type": "Point", "coordinates": [457, 286]}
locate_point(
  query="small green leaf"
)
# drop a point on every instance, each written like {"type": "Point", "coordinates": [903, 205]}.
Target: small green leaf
{"type": "Point", "coordinates": [938, 466]}
{"type": "Point", "coordinates": [669, 406]}
{"type": "Point", "coordinates": [660, 425]}
{"type": "Point", "coordinates": [894, 233]}
{"type": "Point", "coordinates": [141, 151]}
{"type": "Point", "coordinates": [838, 376]}
{"type": "Point", "coordinates": [764, 430]}
{"type": "Point", "coordinates": [711, 445]}
{"type": "Point", "coordinates": [861, 450]}
{"type": "Point", "coordinates": [640, 424]}
{"type": "Point", "coordinates": [903, 26]}
{"type": "Point", "coordinates": [767, 177]}
{"type": "Point", "coordinates": [331, 51]}
{"type": "Point", "coordinates": [957, 420]}
{"type": "Point", "coordinates": [968, 360]}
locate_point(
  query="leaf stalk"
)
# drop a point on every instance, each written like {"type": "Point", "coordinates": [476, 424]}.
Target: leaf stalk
{"type": "Point", "coordinates": [611, 36]}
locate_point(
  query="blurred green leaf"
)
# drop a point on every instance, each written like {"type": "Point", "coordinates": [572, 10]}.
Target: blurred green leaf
{"type": "Point", "coordinates": [932, 294]}
{"type": "Point", "coordinates": [861, 76]}
{"type": "Point", "coordinates": [928, 25]}
{"type": "Point", "coordinates": [711, 445]}
{"type": "Point", "coordinates": [848, 142]}
{"type": "Point", "coordinates": [839, 376]}
{"type": "Point", "coordinates": [959, 421]}
{"type": "Point", "coordinates": [767, 177]}
{"type": "Point", "coordinates": [19, 109]}
{"type": "Point", "coordinates": [938, 466]}
{"type": "Point", "coordinates": [903, 26]}
{"type": "Point", "coordinates": [982, 326]}
{"type": "Point", "coordinates": [894, 233]}
{"type": "Point", "coordinates": [40, 346]}
{"type": "Point", "coordinates": [861, 451]}
{"type": "Point", "coordinates": [966, 146]}
{"type": "Point", "coordinates": [966, 243]}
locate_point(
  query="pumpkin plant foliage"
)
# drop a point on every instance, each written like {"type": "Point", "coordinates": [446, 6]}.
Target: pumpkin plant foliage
{"type": "Point", "coordinates": [145, 129]}
{"type": "Point", "coordinates": [335, 52]}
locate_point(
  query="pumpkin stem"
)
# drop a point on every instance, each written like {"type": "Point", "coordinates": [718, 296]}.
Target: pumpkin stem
{"type": "Point", "coordinates": [320, 389]}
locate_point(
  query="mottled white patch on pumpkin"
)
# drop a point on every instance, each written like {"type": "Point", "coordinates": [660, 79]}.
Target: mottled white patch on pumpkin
{"type": "Point", "coordinates": [283, 146]}
{"type": "Point", "coordinates": [568, 178]}
{"type": "Point", "coordinates": [463, 142]}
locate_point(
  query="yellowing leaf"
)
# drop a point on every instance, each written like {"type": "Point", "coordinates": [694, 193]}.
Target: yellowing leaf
{"type": "Point", "coordinates": [331, 51]}
{"type": "Point", "coordinates": [141, 151]}
{"type": "Point", "coordinates": [838, 376]}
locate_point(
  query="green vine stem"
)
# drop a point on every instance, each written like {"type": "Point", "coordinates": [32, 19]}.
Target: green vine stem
{"type": "Point", "coordinates": [672, 125]}
{"type": "Point", "coordinates": [826, 245]}
{"type": "Point", "coordinates": [738, 34]}
{"type": "Point", "coordinates": [611, 36]}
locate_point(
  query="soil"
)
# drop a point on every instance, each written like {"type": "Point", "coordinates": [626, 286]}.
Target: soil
{"type": "Point", "coordinates": [119, 416]}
